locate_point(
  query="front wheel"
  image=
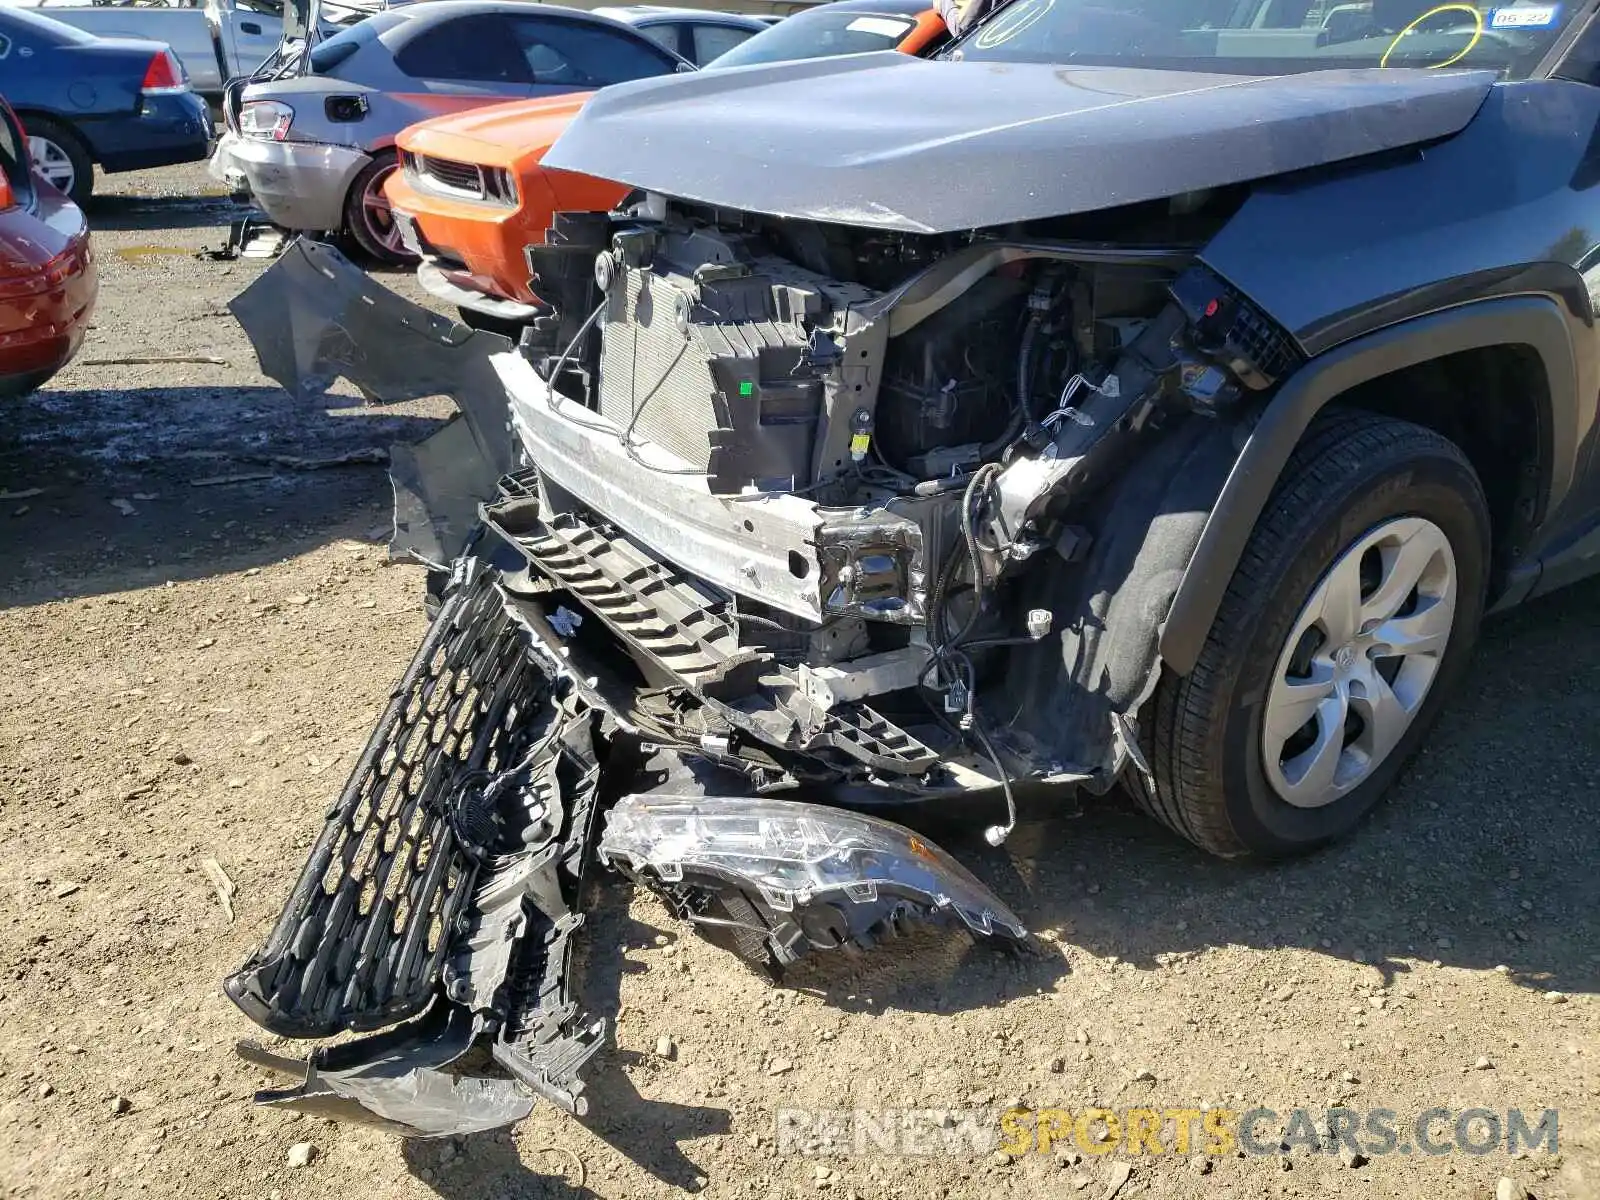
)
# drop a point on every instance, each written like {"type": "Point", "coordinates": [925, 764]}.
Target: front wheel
{"type": "Point", "coordinates": [1352, 612]}
{"type": "Point", "coordinates": [368, 216]}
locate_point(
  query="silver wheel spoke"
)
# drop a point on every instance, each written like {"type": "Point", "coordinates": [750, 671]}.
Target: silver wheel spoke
{"type": "Point", "coordinates": [1404, 565]}
{"type": "Point", "coordinates": [380, 213]}
{"type": "Point", "coordinates": [1384, 719]}
{"type": "Point", "coordinates": [1402, 618]}
{"type": "Point", "coordinates": [1313, 771]}
{"type": "Point", "coordinates": [1340, 608]}
{"type": "Point", "coordinates": [1296, 701]}
{"type": "Point", "coordinates": [52, 162]}
{"type": "Point", "coordinates": [1425, 631]}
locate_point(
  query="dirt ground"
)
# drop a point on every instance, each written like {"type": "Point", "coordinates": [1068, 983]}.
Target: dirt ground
{"type": "Point", "coordinates": [196, 633]}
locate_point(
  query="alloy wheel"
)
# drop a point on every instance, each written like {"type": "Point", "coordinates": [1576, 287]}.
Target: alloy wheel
{"type": "Point", "coordinates": [53, 162]}
{"type": "Point", "coordinates": [378, 216]}
{"type": "Point", "coordinates": [1359, 661]}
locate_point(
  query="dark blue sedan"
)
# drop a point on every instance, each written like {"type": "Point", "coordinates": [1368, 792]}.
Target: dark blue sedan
{"type": "Point", "coordinates": [121, 103]}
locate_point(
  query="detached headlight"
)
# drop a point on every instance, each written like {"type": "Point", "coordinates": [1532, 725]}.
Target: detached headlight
{"type": "Point", "coordinates": [265, 119]}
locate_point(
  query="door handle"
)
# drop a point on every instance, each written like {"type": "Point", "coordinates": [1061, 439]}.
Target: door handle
{"type": "Point", "coordinates": [249, 27]}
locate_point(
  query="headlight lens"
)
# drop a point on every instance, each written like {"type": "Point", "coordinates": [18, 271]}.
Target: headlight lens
{"type": "Point", "coordinates": [266, 119]}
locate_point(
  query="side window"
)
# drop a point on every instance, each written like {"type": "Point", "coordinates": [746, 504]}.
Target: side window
{"type": "Point", "coordinates": [713, 41]}
{"type": "Point", "coordinates": [472, 49]}
{"type": "Point", "coordinates": [665, 33]}
{"type": "Point", "coordinates": [578, 54]}
{"type": "Point", "coordinates": [266, 8]}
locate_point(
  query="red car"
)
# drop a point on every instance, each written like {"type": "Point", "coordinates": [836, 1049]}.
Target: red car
{"type": "Point", "coordinates": [47, 274]}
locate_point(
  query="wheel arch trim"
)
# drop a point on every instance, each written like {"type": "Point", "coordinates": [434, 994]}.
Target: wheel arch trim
{"type": "Point", "coordinates": [1537, 322]}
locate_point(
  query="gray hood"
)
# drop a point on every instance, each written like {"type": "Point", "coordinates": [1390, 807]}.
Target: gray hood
{"type": "Point", "coordinates": [895, 142]}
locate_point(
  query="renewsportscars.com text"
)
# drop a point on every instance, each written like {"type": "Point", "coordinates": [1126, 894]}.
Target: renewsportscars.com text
{"type": "Point", "coordinates": [1259, 1131]}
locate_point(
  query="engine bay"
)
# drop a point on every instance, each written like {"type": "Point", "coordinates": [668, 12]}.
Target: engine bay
{"type": "Point", "coordinates": [882, 486]}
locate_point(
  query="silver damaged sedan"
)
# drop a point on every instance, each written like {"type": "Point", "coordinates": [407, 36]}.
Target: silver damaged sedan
{"type": "Point", "coordinates": [311, 134]}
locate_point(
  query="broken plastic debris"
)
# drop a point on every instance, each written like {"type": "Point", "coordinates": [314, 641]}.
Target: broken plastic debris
{"type": "Point", "coordinates": [565, 622]}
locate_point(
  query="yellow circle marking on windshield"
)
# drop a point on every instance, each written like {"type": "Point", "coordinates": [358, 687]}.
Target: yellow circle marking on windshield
{"type": "Point", "coordinates": [1477, 33]}
{"type": "Point", "coordinates": [1013, 22]}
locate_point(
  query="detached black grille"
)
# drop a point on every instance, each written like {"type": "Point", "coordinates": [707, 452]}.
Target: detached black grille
{"type": "Point", "coordinates": [369, 925]}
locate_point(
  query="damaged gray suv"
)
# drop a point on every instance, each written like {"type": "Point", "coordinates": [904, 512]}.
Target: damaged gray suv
{"type": "Point", "coordinates": [1153, 394]}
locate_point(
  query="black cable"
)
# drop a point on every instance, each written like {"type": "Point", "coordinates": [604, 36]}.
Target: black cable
{"type": "Point", "coordinates": [991, 643]}
{"type": "Point", "coordinates": [561, 363]}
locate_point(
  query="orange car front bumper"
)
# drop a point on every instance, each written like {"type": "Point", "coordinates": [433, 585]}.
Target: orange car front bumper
{"type": "Point", "coordinates": [479, 246]}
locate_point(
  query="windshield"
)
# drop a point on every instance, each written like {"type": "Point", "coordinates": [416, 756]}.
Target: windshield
{"type": "Point", "coordinates": [1268, 37]}
{"type": "Point", "coordinates": [819, 33]}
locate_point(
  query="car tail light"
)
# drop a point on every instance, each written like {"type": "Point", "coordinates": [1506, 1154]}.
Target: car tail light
{"type": "Point", "coordinates": [164, 76]}
{"type": "Point", "coordinates": [20, 277]}
{"type": "Point", "coordinates": [265, 119]}
{"type": "Point", "coordinates": [8, 198]}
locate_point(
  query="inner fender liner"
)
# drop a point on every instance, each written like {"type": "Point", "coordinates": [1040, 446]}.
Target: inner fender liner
{"type": "Point", "coordinates": [776, 878]}
{"type": "Point", "coordinates": [1065, 692]}
{"type": "Point", "coordinates": [1534, 321]}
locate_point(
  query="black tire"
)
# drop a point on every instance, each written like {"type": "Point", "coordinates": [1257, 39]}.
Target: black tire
{"type": "Point", "coordinates": [1351, 472]}
{"type": "Point", "coordinates": [72, 147]}
{"type": "Point", "coordinates": [363, 225]}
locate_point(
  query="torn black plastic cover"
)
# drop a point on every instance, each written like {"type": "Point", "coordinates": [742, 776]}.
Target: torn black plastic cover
{"type": "Point", "coordinates": [314, 317]}
{"type": "Point", "coordinates": [408, 1081]}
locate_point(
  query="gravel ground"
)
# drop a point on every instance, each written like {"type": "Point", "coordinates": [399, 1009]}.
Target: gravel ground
{"type": "Point", "coordinates": [188, 667]}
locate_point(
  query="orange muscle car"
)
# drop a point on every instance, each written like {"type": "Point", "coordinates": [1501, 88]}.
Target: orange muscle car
{"type": "Point", "coordinates": [471, 195]}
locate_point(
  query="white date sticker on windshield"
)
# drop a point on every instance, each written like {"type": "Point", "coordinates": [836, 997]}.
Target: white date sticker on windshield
{"type": "Point", "coordinates": [882, 26]}
{"type": "Point", "coordinates": [1532, 16]}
